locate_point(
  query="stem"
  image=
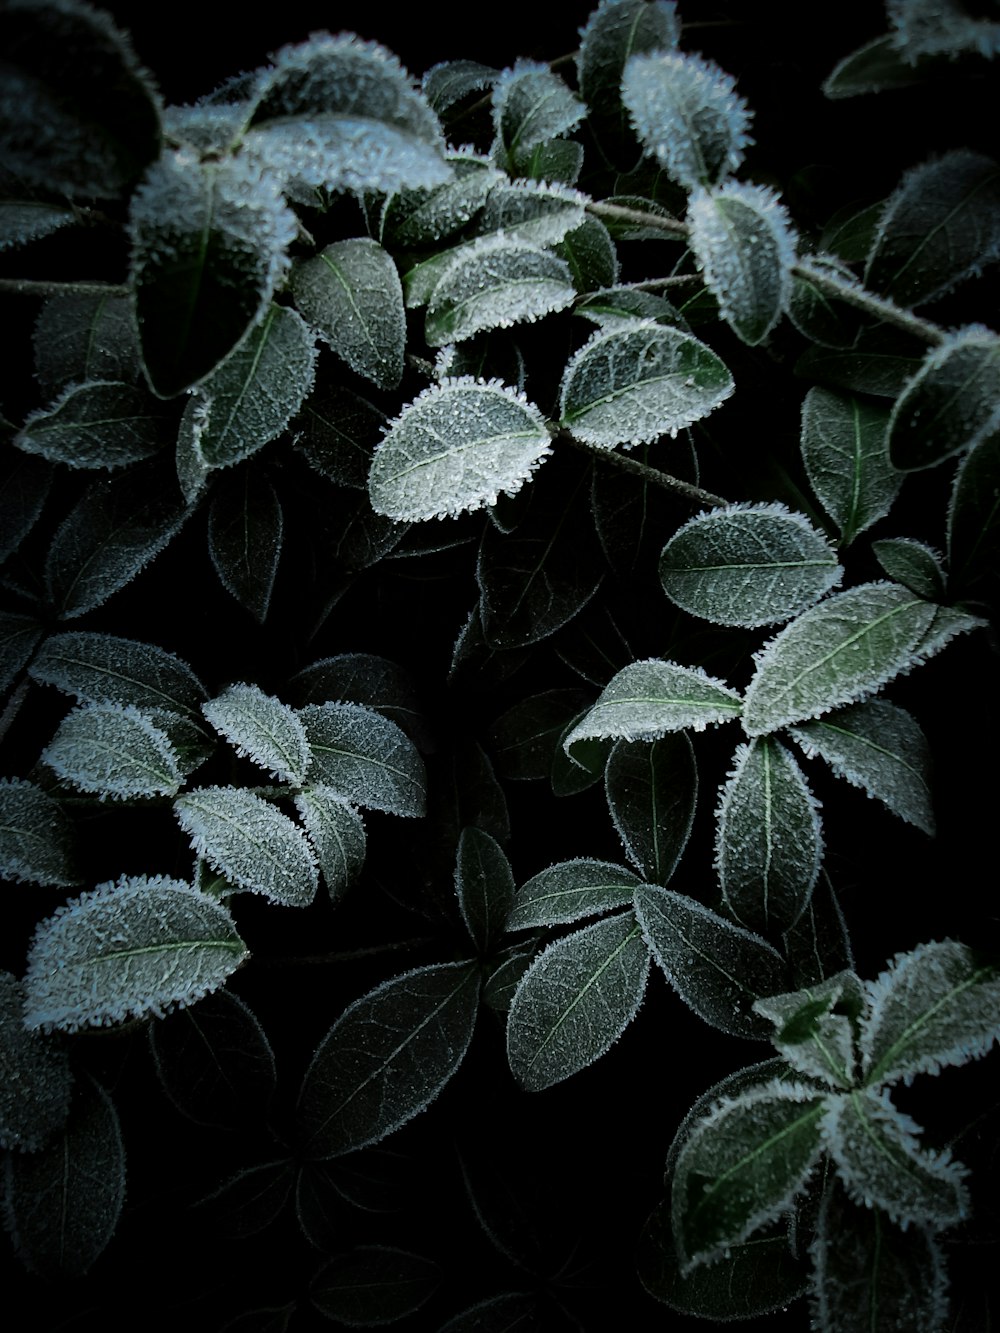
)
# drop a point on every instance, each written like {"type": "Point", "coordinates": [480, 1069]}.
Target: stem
{"type": "Point", "coordinates": [618, 213]}
{"type": "Point", "coordinates": [13, 707]}
{"type": "Point", "coordinates": [854, 294]}
{"type": "Point", "coordinates": [650, 474]}
{"type": "Point", "coordinates": [33, 287]}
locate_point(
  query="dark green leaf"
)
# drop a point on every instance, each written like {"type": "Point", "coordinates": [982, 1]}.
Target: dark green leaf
{"type": "Point", "coordinates": [35, 1077]}
{"type": "Point", "coordinates": [36, 837]}
{"type": "Point", "coordinates": [872, 68]}
{"type": "Point", "coordinates": [532, 104]}
{"type": "Point", "coordinates": [100, 424]}
{"type": "Point", "coordinates": [374, 1284]}
{"type": "Point", "coordinates": [338, 432]}
{"type": "Point", "coordinates": [880, 361]}
{"type": "Point", "coordinates": [337, 835]}
{"type": "Point", "coordinates": [571, 890]}
{"type": "Point", "coordinates": [913, 564]}
{"type": "Point", "coordinates": [493, 283]}
{"type": "Point", "coordinates": [245, 536]}
{"type": "Point", "coordinates": [652, 790]}
{"type": "Point", "coordinates": [84, 336]}
{"type": "Point", "coordinates": [364, 678]}
{"type": "Point", "coordinates": [524, 738]}
{"type": "Point", "coordinates": [250, 1200]}
{"type": "Point", "coordinates": [114, 750]}
{"type": "Point", "coordinates": [844, 450]}
{"type": "Point", "coordinates": [616, 30]}
{"type": "Point", "coordinates": [484, 885]}
{"type": "Point", "coordinates": [974, 514]}
{"type": "Point", "coordinates": [364, 757]}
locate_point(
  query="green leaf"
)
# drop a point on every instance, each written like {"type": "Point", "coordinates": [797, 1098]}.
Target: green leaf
{"type": "Point", "coordinates": [262, 729]}
{"type": "Point", "coordinates": [524, 738]}
{"type": "Point", "coordinates": [743, 242]}
{"type": "Point", "coordinates": [717, 969]}
{"type": "Point", "coordinates": [387, 1057]}
{"type": "Point", "coordinates": [590, 253]}
{"type": "Point", "coordinates": [511, 1312]}
{"type": "Point", "coordinates": [84, 336]}
{"type": "Point", "coordinates": [427, 217]}
{"type": "Point", "coordinates": [337, 835]}
{"type": "Point", "coordinates": [536, 212]}
{"type": "Point", "coordinates": [616, 30]}
{"type": "Point", "coordinates": [25, 484]}
{"type": "Point", "coordinates": [364, 757]}
{"type": "Point", "coordinates": [576, 1000]}
{"type": "Point", "coordinates": [873, 68]}
{"type": "Point", "coordinates": [844, 649]}
{"type": "Point", "coordinates": [485, 887]}
{"type": "Point", "coordinates": [811, 1037]}
{"type": "Point", "coordinates": [63, 1202]}
{"type": "Point", "coordinates": [951, 403]}
{"type": "Point", "coordinates": [364, 678]}
{"type": "Point", "coordinates": [934, 1006]}
{"type": "Point", "coordinates": [249, 842]}
{"type": "Point", "coordinates": [18, 637]}
{"type": "Point", "coordinates": [136, 947]}
{"type": "Point", "coordinates": [337, 431]}
{"type": "Point", "coordinates": [556, 160]}
{"type": "Point", "coordinates": [920, 29]}
{"type": "Point", "coordinates": [748, 565]}
{"type": "Point", "coordinates": [632, 384]}
{"type": "Point", "coordinates": [817, 315]}
{"type": "Point", "coordinates": [457, 446]}
{"type": "Point", "coordinates": [914, 564]}
{"type": "Point", "coordinates": [818, 945]}
{"type": "Point", "coordinates": [846, 457]}
{"type": "Point", "coordinates": [351, 294]}
{"type": "Point", "coordinates": [879, 361]}
{"type": "Point", "coordinates": [651, 790]}
{"type": "Point", "coordinates": [36, 837]}
{"type": "Point", "coordinates": [531, 105]}
{"type": "Point", "coordinates": [250, 1200]}
{"type": "Point", "coordinates": [974, 514]}
{"type": "Point", "coordinates": [373, 1284]}
{"type": "Point", "coordinates": [939, 228]}
{"type": "Point", "coordinates": [615, 305]}
{"type": "Point", "coordinates": [35, 1076]}
{"type": "Point", "coordinates": [446, 83]}
{"type": "Point", "coordinates": [25, 220]}
{"type": "Point", "coordinates": [100, 424]}
{"type": "Point", "coordinates": [571, 890]}
{"type": "Point", "coordinates": [114, 750]}
{"type": "Point", "coordinates": [246, 525]}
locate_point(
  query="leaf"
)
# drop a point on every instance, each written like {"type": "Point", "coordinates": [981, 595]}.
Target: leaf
{"type": "Point", "coordinates": [246, 526]}
{"type": "Point", "coordinates": [951, 403]}
{"type": "Point", "coordinates": [351, 294]}
{"type": "Point", "coordinates": [818, 945]}
{"type": "Point", "coordinates": [974, 513]}
{"type": "Point", "coordinates": [939, 228]}
{"type": "Point", "coordinates": [935, 1006]}
{"type": "Point", "coordinates": [63, 1203]}
{"type": "Point", "coordinates": [914, 564]}
{"type": "Point", "coordinates": [616, 30]}
{"type": "Point", "coordinates": [365, 758]}
{"type": "Point", "coordinates": [338, 432]}
{"type": "Point", "coordinates": [114, 750]}
{"type": "Point", "coordinates": [880, 748]}
{"type": "Point", "coordinates": [109, 536]}
{"type": "Point", "coordinates": [576, 1000]}
{"type": "Point", "coordinates": [36, 837]}
{"type": "Point", "coordinates": [511, 1312]}
{"type": "Point", "coordinates": [387, 1057]}
{"type": "Point", "coordinates": [571, 890]}
{"type": "Point", "coordinates": [214, 1062]}
{"type": "Point", "coordinates": [748, 565]}
{"type": "Point", "coordinates": [249, 842]}
{"type": "Point", "coordinates": [717, 969]}
{"type": "Point", "coordinates": [337, 835]}
{"type": "Point", "coordinates": [457, 446]}
{"type": "Point", "coordinates": [742, 1166]}
{"type": "Point", "coordinates": [24, 487]}
{"type": "Point", "coordinates": [814, 1028]}
{"type": "Point", "coordinates": [262, 729]}
{"type": "Point", "coordinates": [591, 255]}
{"type": "Point", "coordinates": [485, 887]}
{"type": "Point", "coordinates": [136, 947]}
{"type": "Point", "coordinates": [630, 385]}
{"type": "Point", "coordinates": [100, 424]}
{"type": "Point", "coordinates": [879, 361]}
{"type": "Point", "coordinates": [532, 104]}
{"type": "Point", "coordinates": [83, 336]}
{"type": "Point", "coordinates": [846, 457]}
{"type": "Point", "coordinates": [651, 790]}
{"type": "Point", "coordinates": [18, 637]}
{"type": "Point", "coordinates": [818, 315]}
{"type": "Point", "coordinates": [449, 81]}
{"type": "Point", "coordinates": [615, 305]}
{"type": "Point", "coordinates": [536, 212]}
{"type": "Point", "coordinates": [209, 248]}
{"type": "Point", "coordinates": [557, 160]}
{"type": "Point", "coordinates": [844, 649]}
{"type": "Point", "coordinates": [686, 113]}
{"type": "Point", "coordinates": [35, 1076]}
{"type": "Point", "coordinates": [743, 242]}
{"type": "Point", "coordinates": [427, 217]}
{"type": "Point", "coordinates": [920, 29]}
{"type": "Point", "coordinates": [768, 839]}
{"type": "Point", "coordinates": [374, 1284]}
{"type": "Point", "coordinates": [524, 738]}
{"type": "Point", "coordinates": [365, 678]}
{"type": "Point", "coordinates": [249, 1201]}
{"type": "Point", "coordinates": [25, 220]}
{"type": "Point", "coordinates": [874, 67]}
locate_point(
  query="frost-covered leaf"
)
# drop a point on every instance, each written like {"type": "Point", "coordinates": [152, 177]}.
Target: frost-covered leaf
{"type": "Point", "coordinates": [209, 246]}
{"type": "Point", "coordinates": [250, 1200]}
{"type": "Point", "coordinates": [844, 649]}
{"type": "Point", "coordinates": [337, 431]}
{"type": "Point", "coordinates": [813, 1028]}
{"type": "Point", "coordinates": [246, 525]}
{"type": "Point", "coordinates": [743, 241]}
{"type": "Point", "coordinates": [914, 564]}
{"type": "Point", "coordinates": [937, 1005]}
{"type": "Point", "coordinates": [457, 446]}
{"type": "Point", "coordinates": [446, 83]}
{"type": "Point", "coordinates": [24, 487]}
{"type": "Point", "coordinates": [104, 668]}
{"type": "Point", "coordinates": [36, 837]}
{"type": "Point", "coordinates": [940, 227]}
{"type": "Point", "coordinates": [874, 67]}
{"type": "Point", "coordinates": [742, 1166]}
{"type": "Point", "coordinates": [364, 757]}
{"type": "Point", "coordinates": [128, 949]}
{"type": "Point", "coordinates": [615, 305]}
{"type": "Point", "coordinates": [652, 790]}
{"type": "Point", "coordinates": [63, 1202]}
{"type": "Point", "coordinates": [818, 945]}
{"type": "Point", "coordinates": [18, 637]}
{"type": "Point", "coordinates": [686, 113]}
{"type": "Point", "coordinates": [261, 728]}
{"type": "Point", "coordinates": [576, 1000]}
{"type": "Point", "coordinates": [717, 969]}
{"type": "Point", "coordinates": [114, 750]}
{"type": "Point", "coordinates": [974, 514]}
{"type": "Point", "coordinates": [484, 885]}
{"type": "Point", "coordinates": [880, 361]}
{"type": "Point", "coordinates": [571, 890]}
{"type": "Point", "coordinates": [250, 842]}
{"type": "Point", "coordinates": [26, 220]}
{"type": "Point", "coordinates": [351, 294]}
{"type": "Point", "coordinates": [387, 1057]}
{"type": "Point", "coordinates": [532, 104]}
{"type": "Point", "coordinates": [751, 565]}
{"type": "Point", "coordinates": [337, 834]}
{"type": "Point", "coordinates": [768, 839]}
{"type": "Point", "coordinates": [373, 1285]}
{"type": "Point", "coordinates": [590, 253]}
{"type": "Point", "coordinates": [536, 212]}
{"type": "Point", "coordinates": [364, 678]}
{"type": "Point", "coordinates": [510, 1311]}
{"type": "Point", "coordinates": [428, 217]}
{"type": "Point", "coordinates": [35, 1077]}
{"type": "Point", "coordinates": [523, 739]}
{"type": "Point", "coordinates": [213, 128]}
{"type": "Point", "coordinates": [846, 456]}
{"type": "Point", "coordinates": [558, 160]}
{"type": "Point", "coordinates": [111, 533]}
{"type": "Point", "coordinates": [616, 30]}
{"type": "Point", "coordinates": [630, 385]}
{"type": "Point", "coordinates": [100, 424]}
{"type": "Point", "coordinates": [880, 748]}
{"type": "Point", "coordinates": [952, 401]}
{"type": "Point", "coordinates": [817, 313]}
{"type": "Point", "coordinates": [921, 28]}
{"type": "Point", "coordinates": [84, 336]}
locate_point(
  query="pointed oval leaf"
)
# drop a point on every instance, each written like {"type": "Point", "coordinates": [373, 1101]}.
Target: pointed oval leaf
{"type": "Point", "coordinates": [846, 457]}
{"type": "Point", "coordinates": [337, 431]}
{"type": "Point", "coordinates": [816, 312]}
{"type": "Point", "coordinates": [84, 336]}
{"type": "Point", "coordinates": [920, 29]}
{"type": "Point", "coordinates": [818, 945]}
{"type": "Point", "coordinates": [104, 668]}
{"type": "Point", "coordinates": [748, 565]}
{"type": "Point", "coordinates": [513, 1310]}
{"type": "Point", "coordinates": [591, 255]}
{"type": "Point", "coordinates": [879, 361]}
{"type": "Point", "coordinates": [616, 30]}
{"type": "Point", "coordinates": [374, 1284]}
{"type": "Point", "coordinates": [427, 217]}
{"type": "Point", "coordinates": [100, 424]}
{"type": "Point", "coordinates": [456, 447]}
{"type": "Point", "coordinates": [575, 1001]}
{"type": "Point", "coordinates": [25, 484]}
{"type": "Point", "coordinates": [974, 514]}
{"type": "Point", "coordinates": [387, 1057]}
{"type": "Point", "coordinates": [35, 1077]}
{"type": "Point", "coordinates": [813, 1038]}
{"type": "Point", "coordinates": [652, 790]}
{"type": "Point", "coordinates": [250, 843]}
{"type": "Point", "coordinates": [532, 104]}
{"type": "Point", "coordinates": [250, 1200]}
{"type": "Point", "coordinates": [351, 294]}
{"type": "Point", "coordinates": [114, 750]}
{"type": "Point", "coordinates": [570, 891]}
{"type": "Point", "coordinates": [128, 949]}
{"type": "Point", "coordinates": [844, 649]}
{"type": "Point", "coordinates": [18, 637]}
{"type": "Point", "coordinates": [717, 969]}
{"type": "Point", "coordinates": [261, 728]}
{"type": "Point", "coordinates": [743, 241]}
{"type": "Point", "coordinates": [874, 67]}
{"type": "Point", "coordinates": [337, 835]}
{"type": "Point", "coordinates": [36, 837]}
{"type": "Point", "coordinates": [246, 526]}
{"type": "Point", "coordinates": [914, 564]}
{"type": "Point", "coordinates": [25, 220]}
{"type": "Point", "coordinates": [768, 839]}
{"type": "Point", "coordinates": [536, 212]}
{"type": "Point", "coordinates": [523, 739]}
{"type": "Point", "coordinates": [365, 678]}
{"type": "Point", "coordinates": [556, 160]}
{"type": "Point", "coordinates": [484, 885]}
{"type": "Point", "coordinates": [951, 403]}
{"type": "Point", "coordinates": [449, 81]}
{"type": "Point", "coordinates": [632, 384]}
{"type": "Point", "coordinates": [364, 757]}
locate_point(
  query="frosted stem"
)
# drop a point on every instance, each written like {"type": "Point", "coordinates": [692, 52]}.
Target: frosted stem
{"type": "Point", "coordinates": [650, 474]}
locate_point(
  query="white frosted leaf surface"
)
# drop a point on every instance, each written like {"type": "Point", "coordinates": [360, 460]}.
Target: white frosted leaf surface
{"type": "Point", "coordinates": [36, 837]}
{"type": "Point", "coordinates": [337, 835]}
{"type": "Point", "coordinates": [456, 447]}
{"type": "Point", "coordinates": [366, 678]}
{"type": "Point", "coordinates": [614, 31]}
{"type": "Point", "coordinates": [923, 28]}
{"type": "Point", "coordinates": [576, 1000]}
{"type": "Point", "coordinates": [127, 949]}
{"type": "Point", "coordinates": [630, 385]}
{"type": "Point", "coordinates": [750, 566]}
{"type": "Point", "coordinates": [212, 128]}
{"type": "Point", "coordinates": [845, 648]}
{"type": "Point", "coordinates": [652, 789]}
{"type": "Point", "coordinates": [25, 220]}
{"type": "Point", "coordinates": [533, 211]}
{"type": "Point", "coordinates": [373, 1284]}
{"type": "Point", "coordinates": [571, 890]}
{"type": "Point", "coordinates": [100, 424]}
{"type": "Point", "coordinates": [813, 1039]}
{"type": "Point", "coordinates": [532, 104]}
{"type": "Point", "coordinates": [364, 757]}
{"type": "Point", "coordinates": [351, 294]}
{"type": "Point", "coordinates": [427, 217]}
{"type": "Point", "coordinates": [846, 457]}
{"type": "Point", "coordinates": [484, 885]}
{"type": "Point", "coordinates": [261, 728]}
{"type": "Point", "coordinates": [951, 403]}
{"type": "Point", "coordinates": [86, 336]}
{"type": "Point", "coordinates": [114, 750]}
{"type": "Point", "coordinates": [249, 842]}
{"type": "Point", "coordinates": [387, 1057]}
{"type": "Point", "coordinates": [35, 1077]}
{"type": "Point", "coordinates": [105, 668]}
{"type": "Point", "coordinates": [914, 564]}
{"type": "Point", "coordinates": [768, 842]}
{"type": "Point", "coordinates": [449, 81]}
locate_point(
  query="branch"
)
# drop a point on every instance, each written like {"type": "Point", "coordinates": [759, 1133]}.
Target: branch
{"type": "Point", "coordinates": [618, 213]}
{"type": "Point", "coordinates": [650, 474]}
{"type": "Point", "coordinates": [33, 287]}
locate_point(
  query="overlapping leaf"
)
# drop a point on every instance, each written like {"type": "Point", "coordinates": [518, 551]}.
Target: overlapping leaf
{"type": "Point", "coordinates": [261, 728]}
{"type": "Point", "coordinates": [84, 336]}
{"type": "Point", "coordinates": [337, 834]}
{"type": "Point", "coordinates": [846, 456]}
{"type": "Point", "coordinates": [570, 891]}
{"type": "Point", "coordinates": [35, 1076]}
{"type": "Point", "coordinates": [36, 836]}
{"type": "Point", "coordinates": [99, 424]}
{"type": "Point", "coordinates": [246, 526]}
{"type": "Point", "coordinates": [114, 750]}
{"type": "Point", "coordinates": [484, 885]}
{"type": "Point", "coordinates": [532, 104]}
{"type": "Point", "coordinates": [364, 757]}
{"type": "Point", "coordinates": [616, 30]}
{"type": "Point", "coordinates": [652, 790]}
